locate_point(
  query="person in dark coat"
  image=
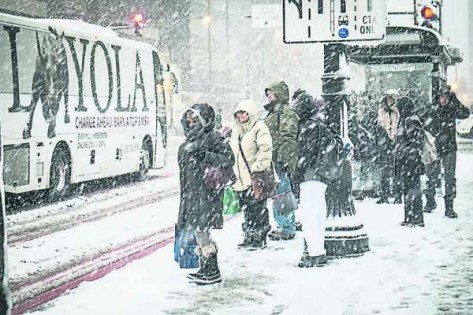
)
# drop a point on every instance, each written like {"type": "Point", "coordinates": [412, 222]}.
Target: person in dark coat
{"type": "Point", "coordinates": [282, 123]}
{"type": "Point", "coordinates": [440, 121]}
{"type": "Point", "coordinates": [315, 153]}
{"type": "Point", "coordinates": [201, 208]}
{"type": "Point", "coordinates": [409, 143]}
{"type": "Point", "coordinates": [386, 131]}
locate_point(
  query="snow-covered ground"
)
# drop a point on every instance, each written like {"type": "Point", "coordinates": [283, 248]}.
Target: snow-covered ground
{"type": "Point", "coordinates": [407, 271]}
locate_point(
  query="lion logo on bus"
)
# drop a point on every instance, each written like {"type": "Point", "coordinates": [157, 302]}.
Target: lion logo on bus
{"type": "Point", "coordinates": [50, 81]}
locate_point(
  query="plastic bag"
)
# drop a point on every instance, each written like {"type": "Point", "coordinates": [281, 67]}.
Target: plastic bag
{"type": "Point", "coordinates": [285, 201]}
{"type": "Point", "coordinates": [231, 204]}
{"type": "Point", "coordinates": [184, 249]}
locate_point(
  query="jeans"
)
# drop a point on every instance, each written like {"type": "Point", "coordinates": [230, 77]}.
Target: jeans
{"type": "Point", "coordinates": [433, 171]}
{"type": "Point", "coordinates": [286, 222]}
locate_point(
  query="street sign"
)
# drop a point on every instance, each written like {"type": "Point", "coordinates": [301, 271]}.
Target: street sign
{"type": "Point", "coordinates": [266, 15]}
{"type": "Point", "coordinates": [332, 21]}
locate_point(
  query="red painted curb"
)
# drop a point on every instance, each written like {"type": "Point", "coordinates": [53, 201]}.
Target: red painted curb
{"type": "Point", "coordinates": [45, 297]}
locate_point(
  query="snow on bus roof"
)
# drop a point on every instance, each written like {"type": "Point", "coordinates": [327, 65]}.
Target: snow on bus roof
{"type": "Point", "coordinates": [77, 28]}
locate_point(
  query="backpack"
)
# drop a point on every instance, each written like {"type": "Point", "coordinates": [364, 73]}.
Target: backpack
{"type": "Point", "coordinates": [429, 151]}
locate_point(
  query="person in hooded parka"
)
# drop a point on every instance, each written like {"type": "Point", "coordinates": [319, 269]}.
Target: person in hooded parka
{"type": "Point", "coordinates": [409, 143]}
{"type": "Point", "coordinates": [201, 208]}
{"type": "Point", "coordinates": [251, 140]}
{"type": "Point", "coordinates": [282, 123]}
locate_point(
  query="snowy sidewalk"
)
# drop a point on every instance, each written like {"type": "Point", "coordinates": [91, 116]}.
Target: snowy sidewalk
{"type": "Point", "coordinates": [407, 271]}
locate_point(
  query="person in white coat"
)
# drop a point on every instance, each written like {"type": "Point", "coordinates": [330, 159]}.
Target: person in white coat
{"type": "Point", "coordinates": [251, 141]}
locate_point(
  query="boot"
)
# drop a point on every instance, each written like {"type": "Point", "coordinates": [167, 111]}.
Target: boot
{"type": "Point", "coordinates": [259, 239]}
{"type": "Point", "coordinates": [398, 199]}
{"type": "Point", "coordinates": [200, 273]}
{"type": "Point", "coordinates": [382, 200]}
{"type": "Point", "coordinates": [278, 235]}
{"type": "Point", "coordinates": [312, 261]}
{"type": "Point", "coordinates": [449, 213]}
{"type": "Point", "coordinates": [211, 272]}
{"type": "Point", "coordinates": [430, 204]}
{"type": "Point", "coordinates": [247, 237]}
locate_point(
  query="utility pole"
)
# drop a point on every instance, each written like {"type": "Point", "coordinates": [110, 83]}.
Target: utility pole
{"type": "Point", "coordinates": [5, 294]}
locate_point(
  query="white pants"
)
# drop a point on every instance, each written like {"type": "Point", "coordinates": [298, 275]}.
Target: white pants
{"type": "Point", "coordinates": [313, 215]}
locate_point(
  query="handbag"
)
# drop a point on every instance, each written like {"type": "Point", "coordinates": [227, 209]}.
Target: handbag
{"type": "Point", "coordinates": [429, 151]}
{"type": "Point", "coordinates": [263, 183]}
{"type": "Point", "coordinates": [285, 201]}
{"type": "Point", "coordinates": [231, 203]}
{"type": "Point", "coordinates": [184, 249]}
{"type": "Point", "coordinates": [218, 177]}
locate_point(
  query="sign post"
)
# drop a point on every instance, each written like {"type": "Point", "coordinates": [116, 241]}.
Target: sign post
{"type": "Point", "coordinates": [336, 23]}
{"type": "Point", "coordinates": [5, 295]}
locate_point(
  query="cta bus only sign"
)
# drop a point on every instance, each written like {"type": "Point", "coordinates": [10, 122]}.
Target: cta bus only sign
{"type": "Point", "coordinates": [331, 21]}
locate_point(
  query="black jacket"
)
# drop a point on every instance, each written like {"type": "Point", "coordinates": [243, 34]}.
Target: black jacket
{"type": "Point", "coordinates": [317, 151]}
{"type": "Point", "coordinates": [440, 121]}
{"type": "Point", "coordinates": [409, 143]}
{"type": "Point", "coordinates": [200, 207]}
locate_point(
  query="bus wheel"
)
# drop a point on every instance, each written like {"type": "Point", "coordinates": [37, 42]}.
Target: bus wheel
{"type": "Point", "coordinates": [60, 175]}
{"type": "Point", "coordinates": [146, 158]}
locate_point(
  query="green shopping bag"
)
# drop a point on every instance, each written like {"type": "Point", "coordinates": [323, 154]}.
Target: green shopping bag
{"type": "Point", "coordinates": [231, 204]}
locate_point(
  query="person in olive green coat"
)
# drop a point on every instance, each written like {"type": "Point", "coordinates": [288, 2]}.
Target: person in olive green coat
{"type": "Point", "coordinates": [282, 122]}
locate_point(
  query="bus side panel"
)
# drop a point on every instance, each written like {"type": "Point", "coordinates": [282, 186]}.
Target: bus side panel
{"type": "Point", "coordinates": [97, 99]}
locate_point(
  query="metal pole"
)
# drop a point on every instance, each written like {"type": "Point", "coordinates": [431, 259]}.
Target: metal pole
{"type": "Point", "coordinates": [340, 240]}
{"type": "Point", "coordinates": [5, 294]}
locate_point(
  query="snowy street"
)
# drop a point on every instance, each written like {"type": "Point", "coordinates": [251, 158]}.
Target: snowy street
{"type": "Point", "coordinates": [407, 270]}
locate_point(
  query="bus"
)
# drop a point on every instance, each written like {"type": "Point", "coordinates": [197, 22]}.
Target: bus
{"type": "Point", "coordinates": [77, 103]}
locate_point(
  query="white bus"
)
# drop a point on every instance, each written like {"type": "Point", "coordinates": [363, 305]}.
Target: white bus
{"type": "Point", "coordinates": [77, 103]}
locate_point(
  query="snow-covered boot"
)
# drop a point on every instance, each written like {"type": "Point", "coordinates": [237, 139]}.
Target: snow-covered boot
{"type": "Point", "coordinates": [247, 237]}
{"type": "Point", "coordinates": [449, 213]}
{"type": "Point", "coordinates": [398, 199]}
{"type": "Point", "coordinates": [430, 205]}
{"type": "Point", "coordinates": [312, 261]}
{"type": "Point", "coordinates": [211, 273]}
{"type": "Point", "coordinates": [201, 271]}
{"type": "Point", "coordinates": [259, 239]}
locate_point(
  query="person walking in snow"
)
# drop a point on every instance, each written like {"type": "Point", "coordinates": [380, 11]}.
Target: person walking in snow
{"type": "Point", "coordinates": [409, 143]}
{"type": "Point", "coordinates": [386, 131]}
{"type": "Point", "coordinates": [282, 123]}
{"type": "Point", "coordinates": [201, 208]}
{"type": "Point", "coordinates": [440, 121]}
{"type": "Point", "coordinates": [316, 154]}
{"type": "Point", "coordinates": [252, 146]}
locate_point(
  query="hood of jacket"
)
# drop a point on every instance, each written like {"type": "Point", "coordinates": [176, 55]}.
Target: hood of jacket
{"type": "Point", "coordinates": [204, 113]}
{"type": "Point", "coordinates": [281, 90]}
{"type": "Point", "coordinates": [251, 108]}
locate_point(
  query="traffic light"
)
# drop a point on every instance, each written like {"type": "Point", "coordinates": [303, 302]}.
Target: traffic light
{"type": "Point", "coordinates": [428, 15]}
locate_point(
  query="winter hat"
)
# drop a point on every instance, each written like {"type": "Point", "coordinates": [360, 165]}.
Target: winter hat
{"type": "Point", "coordinates": [392, 92]}
{"type": "Point", "coordinates": [297, 92]}
{"type": "Point", "coordinates": [304, 105]}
